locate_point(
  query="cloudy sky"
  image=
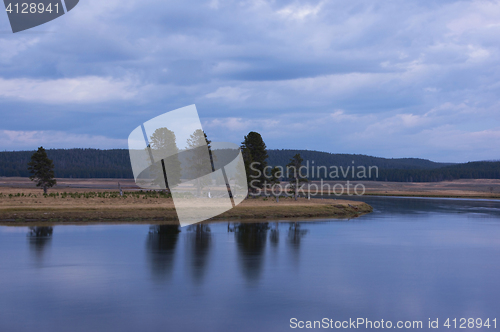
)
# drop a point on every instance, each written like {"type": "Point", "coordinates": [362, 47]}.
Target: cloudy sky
{"type": "Point", "coordinates": [402, 78]}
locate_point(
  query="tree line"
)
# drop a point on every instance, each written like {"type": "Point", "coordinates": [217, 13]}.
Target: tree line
{"type": "Point", "coordinates": [471, 170]}
{"type": "Point", "coordinates": [72, 163]}
{"type": "Point", "coordinates": [115, 163]}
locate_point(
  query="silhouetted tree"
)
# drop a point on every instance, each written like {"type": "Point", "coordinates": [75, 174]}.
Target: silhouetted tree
{"type": "Point", "coordinates": [200, 162]}
{"type": "Point", "coordinates": [42, 170]}
{"type": "Point", "coordinates": [254, 153]}
{"type": "Point", "coordinates": [163, 142]}
{"type": "Point", "coordinates": [294, 175]}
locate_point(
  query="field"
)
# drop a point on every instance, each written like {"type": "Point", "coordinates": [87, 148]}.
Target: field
{"type": "Point", "coordinates": [78, 201]}
{"type": "Point", "coordinates": [97, 200]}
{"type": "Point", "coordinates": [480, 188]}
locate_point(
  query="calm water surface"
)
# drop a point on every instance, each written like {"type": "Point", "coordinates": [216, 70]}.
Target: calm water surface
{"type": "Point", "coordinates": [411, 259]}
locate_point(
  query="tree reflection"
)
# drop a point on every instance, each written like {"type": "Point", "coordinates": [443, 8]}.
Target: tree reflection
{"type": "Point", "coordinates": [275, 235]}
{"type": "Point", "coordinates": [161, 245]}
{"type": "Point", "coordinates": [200, 240]}
{"type": "Point", "coordinates": [251, 241]}
{"type": "Point", "coordinates": [39, 239]}
{"type": "Point", "coordinates": [295, 235]}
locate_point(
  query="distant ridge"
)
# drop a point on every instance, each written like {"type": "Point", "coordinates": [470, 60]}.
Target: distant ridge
{"type": "Point", "coordinates": [115, 163]}
{"type": "Point", "coordinates": [282, 157]}
{"type": "Point", "coordinates": [76, 163]}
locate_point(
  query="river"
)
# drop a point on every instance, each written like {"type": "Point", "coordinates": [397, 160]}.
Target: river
{"type": "Point", "coordinates": [410, 260]}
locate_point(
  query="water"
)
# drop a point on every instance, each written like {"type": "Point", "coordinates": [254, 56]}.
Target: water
{"type": "Point", "coordinates": [411, 259]}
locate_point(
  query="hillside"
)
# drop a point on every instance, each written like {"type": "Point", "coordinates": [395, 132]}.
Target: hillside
{"type": "Point", "coordinates": [471, 170]}
{"type": "Point", "coordinates": [94, 163]}
{"type": "Point", "coordinates": [282, 157]}
{"type": "Point", "coordinates": [76, 163]}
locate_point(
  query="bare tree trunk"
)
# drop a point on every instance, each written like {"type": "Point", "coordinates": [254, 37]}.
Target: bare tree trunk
{"type": "Point", "coordinates": [45, 189]}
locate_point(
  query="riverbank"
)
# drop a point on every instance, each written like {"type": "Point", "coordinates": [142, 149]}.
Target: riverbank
{"type": "Point", "coordinates": [466, 188]}
{"type": "Point", "coordinates": [31, 206]}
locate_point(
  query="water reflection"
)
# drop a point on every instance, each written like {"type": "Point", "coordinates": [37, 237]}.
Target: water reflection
{"type": "Point", "coordinates": [404, 206]}
{"type": "Point", "coordinates": [295, 235]}
{"type": "Point", "coordinates": [251, 243]}
{"type": "Point", "coordinates": [39, 239]}
{"type": "Point", "coordinates": [161, 245]}
{"type": "Point", "coordinates": [388, 265]}
{"type": "Point", "coordinates": [275, 235]}
{"type": "Point", "coordinates": [199, 238]}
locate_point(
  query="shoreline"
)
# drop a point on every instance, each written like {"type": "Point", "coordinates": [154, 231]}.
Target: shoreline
{"type": "Point", "coordinates": [152, 207]}
{"type": "Point", "coordinates": [465, 188]}
{"type": "Point", "coordinates": [416, 195]}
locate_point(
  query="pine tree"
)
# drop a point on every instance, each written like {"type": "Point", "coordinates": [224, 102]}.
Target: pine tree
{"type": "Point", "coordinates": [254, 153]}
{"type": "Point", "coordinates": [200, 163]}
{"type": "Point", "coordinates": [293, 173]}
{"type": "Point", "coordinates": [42, 169]}
{"type": "Point", "coordinates": [163, 143]}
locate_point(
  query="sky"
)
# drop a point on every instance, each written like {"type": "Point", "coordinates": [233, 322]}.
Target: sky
{"type": "Point", "coordinates": [391, 78]}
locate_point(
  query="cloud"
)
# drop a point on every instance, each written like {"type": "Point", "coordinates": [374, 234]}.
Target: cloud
{"type": "Point", "coordinates": [90, 89]}
{"type": "Point", "coordinates": [341, 116]}
{"type": "Point", "coordinates": [463, 145]}
{"type": "Point", "coordinates": [372, 78]}
{"type": "Point", "coordinates": [229, 93]}
{"type": "Point", "coordinates": [235, 129]}
{"type": "Point", "coordinates": [299, 12]}
{"type": "Point", "coordinates": [12, 47]}
{"type": "Point", "coordinates": [30, 140]}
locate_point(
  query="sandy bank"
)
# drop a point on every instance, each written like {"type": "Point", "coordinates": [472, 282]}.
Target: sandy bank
{"type": "Point", "coordinates": [30, 205]}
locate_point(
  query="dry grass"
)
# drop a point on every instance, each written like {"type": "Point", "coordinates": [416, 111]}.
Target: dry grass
{"type": "Point", "coordinates": [33, 206]}
{"type": "Point", "coordinates": [22, 205]}
{"type": "Point", "coordinates": [479, 188]}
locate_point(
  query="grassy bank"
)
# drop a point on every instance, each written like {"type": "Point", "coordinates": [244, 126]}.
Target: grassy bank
{"type": "Point", "coordinates": [437, 195]}
{"type": "Point", "coordinates": [481, 188]}
{"type": "Point", "coordinates": [30, 205]}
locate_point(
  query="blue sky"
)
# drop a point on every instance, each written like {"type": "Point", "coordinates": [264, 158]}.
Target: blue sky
{"type": "Point", "coordinates": [385, 78]}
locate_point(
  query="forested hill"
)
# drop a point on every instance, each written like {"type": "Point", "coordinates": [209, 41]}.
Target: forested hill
{"type": "Point", "coordinates": [282, 157]}
{"type": "Point", "coordinates": [471, 170]}
{"type": "Point", "coordinates": [76, 163]}
{"type": "Point", "coordinates": [93, 163]}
